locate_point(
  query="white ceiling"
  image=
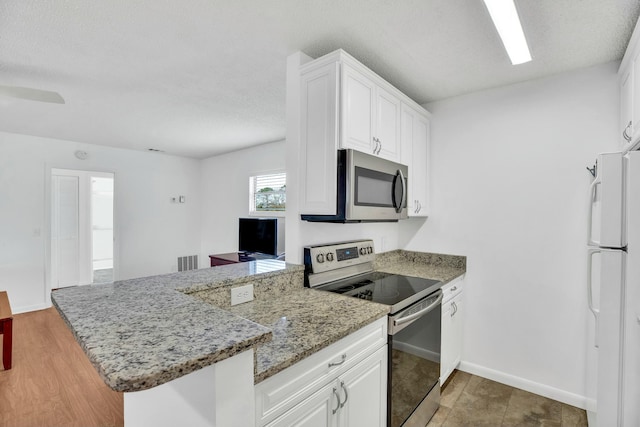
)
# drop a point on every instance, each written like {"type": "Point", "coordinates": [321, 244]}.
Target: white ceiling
{"type": "Point", "coordinates": [202, 77]}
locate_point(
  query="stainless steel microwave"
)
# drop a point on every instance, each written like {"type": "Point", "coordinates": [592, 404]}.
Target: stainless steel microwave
{"type": "Point", "coordinates": [370, 189]}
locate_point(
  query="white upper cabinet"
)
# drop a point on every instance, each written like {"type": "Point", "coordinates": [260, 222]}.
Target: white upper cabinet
{"type": "Point", "coordinates": [629, 75]}
{"type": "Point", "coordinates": [318, 136]}
{"type": "Point", "coordinates": [358, 94]}
{"type": "Point", "coordinates": [343, 104]}
{"type": "Point", "coordinates": [415, 154]}
{"type": "Point", "coordinates": [387, 134]}
{"type": "Point", "coordinates": [370, 116]}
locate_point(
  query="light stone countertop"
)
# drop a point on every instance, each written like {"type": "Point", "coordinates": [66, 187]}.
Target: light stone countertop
{"type": "Point", "coordinates": [303, 322]}
{"type": "Point", "coordinates": [141, 333]}
{"type": "Point", "coordinates": [426, 265]}
{"type": "Point", "coordinates": [144, 332]}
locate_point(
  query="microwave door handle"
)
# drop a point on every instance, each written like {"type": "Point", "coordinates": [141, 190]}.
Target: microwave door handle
{"type": "Point", "coordinates": [404, 191]}
{"type": "Point", "coordinates": [400, 177]}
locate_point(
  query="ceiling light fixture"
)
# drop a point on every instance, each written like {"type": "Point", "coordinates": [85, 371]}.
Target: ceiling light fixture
{"type": "Point", "coordinates": [505, 18]}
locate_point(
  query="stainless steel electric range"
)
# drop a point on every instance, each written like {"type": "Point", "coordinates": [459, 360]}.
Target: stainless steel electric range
{"type": "Point", "coordinates": [413, 383]}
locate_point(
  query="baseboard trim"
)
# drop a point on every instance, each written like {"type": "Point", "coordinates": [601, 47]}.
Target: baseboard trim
{"type": "Point", "coordinates": [28, 308]}
{"type": "Point", "coordinates": [524, 384]}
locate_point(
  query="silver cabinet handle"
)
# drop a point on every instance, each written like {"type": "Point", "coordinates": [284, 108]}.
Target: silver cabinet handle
{"type": "Point", "coordinates": [419, 206]}
{"type": "Point", "coordinates": [342, 359]}
{"type": "Point", "coordinates": [335, 391]}
{"type": "Point", "coordinates": [455, 288]}
{"type": "Point", "coordinates": [626, 136]}
{"type": "Point", "coordinates": [346, 395]}
{"type": "Point", "coordinates": [378, 147]}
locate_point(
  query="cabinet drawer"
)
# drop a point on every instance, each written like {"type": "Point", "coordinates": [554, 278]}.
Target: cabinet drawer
{"type": "Point", "coordinates": [451, 289]}
{"type": "Point", "coordinates": [284, 390]}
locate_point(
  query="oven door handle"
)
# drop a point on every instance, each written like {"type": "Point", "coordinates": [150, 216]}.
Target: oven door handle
{"type": "Point", "coordinates": [409, 318]}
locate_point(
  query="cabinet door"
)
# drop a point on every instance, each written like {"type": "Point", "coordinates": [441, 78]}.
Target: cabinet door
{"type": "Point", "coordinates": [420, 163]}
{"type": "Point", "coordinates": [446, 349]}
{"type": "Point", "coordinates": [456, 332]}
{"type": "Point", "coordinates": [414, 134]}
{"type": "Point", "coordinates": [387, 131]}
{"type": "Point", "coordinates": [363, 392]}
{"type": "Point", "coordinates": [316, 411]}
{"type": "Point", "coordinates": [451, 350]}
{"type": "Point", "coordinates": [357, 116]}
{"type": "Point", "coordinates": [319, 140]}
{"type": "Point", "coordinates": [626, 108]}
{"type": "Point", "coordinates": [407, 120]}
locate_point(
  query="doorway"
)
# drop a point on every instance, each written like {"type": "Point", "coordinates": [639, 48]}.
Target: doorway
{"type": "Point", "coordinates": [81, 227]}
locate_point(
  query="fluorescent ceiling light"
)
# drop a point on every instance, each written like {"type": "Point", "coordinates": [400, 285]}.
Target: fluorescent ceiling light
{"type": "Point", "coordinates": [505, 18]}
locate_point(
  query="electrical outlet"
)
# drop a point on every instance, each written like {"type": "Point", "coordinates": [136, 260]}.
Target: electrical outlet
{"type": "Point", "coordinates": [241, 294]}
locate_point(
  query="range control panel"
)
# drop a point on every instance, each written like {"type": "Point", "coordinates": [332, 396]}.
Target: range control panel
{"type": "Point", "coordinates": [321, 258]}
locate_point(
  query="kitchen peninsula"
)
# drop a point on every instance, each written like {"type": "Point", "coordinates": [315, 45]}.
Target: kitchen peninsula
{"type": "Point", "coordinates": [182, 354]}
{"type": "Point", "coordinates": [181, 359]}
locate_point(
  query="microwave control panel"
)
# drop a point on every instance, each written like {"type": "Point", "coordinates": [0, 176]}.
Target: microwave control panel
{"type": "Point", "coordinates": [323, 258]}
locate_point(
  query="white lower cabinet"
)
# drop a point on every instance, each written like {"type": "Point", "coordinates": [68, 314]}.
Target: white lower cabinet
{"type": "Point", "coordinates": [356, 399]}
{"type": "Point", "coordinates": [451, 341]}
{"type": "Point", "coordinates": [342, 385]}
{"type": "Point", "coordinates": [364, 403]}
{"type": "Point", "coordinates": [315, 411]}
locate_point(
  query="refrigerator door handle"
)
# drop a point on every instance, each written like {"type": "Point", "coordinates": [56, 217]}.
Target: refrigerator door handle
{"type": "Point", "coordinates": [594, 310]}
{"type": "Point", "coordinates": [592, 195]}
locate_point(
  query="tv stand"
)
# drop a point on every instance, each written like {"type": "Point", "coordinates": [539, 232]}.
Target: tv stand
{"type": "Point", "coordinates": [236, 257]}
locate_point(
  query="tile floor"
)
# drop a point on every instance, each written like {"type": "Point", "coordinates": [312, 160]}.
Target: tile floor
{"type": "Point", "coordinates": [471, 401]}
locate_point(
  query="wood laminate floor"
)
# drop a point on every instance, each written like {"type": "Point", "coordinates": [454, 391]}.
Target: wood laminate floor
{"type": "Point", "coordinates": [51, 382]}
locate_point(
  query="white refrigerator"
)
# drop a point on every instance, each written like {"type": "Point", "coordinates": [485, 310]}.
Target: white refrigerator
{"type": "Point", "coordinates": [613, 290]}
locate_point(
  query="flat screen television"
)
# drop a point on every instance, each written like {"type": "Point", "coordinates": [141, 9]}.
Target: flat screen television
{"type": "Point", "coordinates": [258, 235]}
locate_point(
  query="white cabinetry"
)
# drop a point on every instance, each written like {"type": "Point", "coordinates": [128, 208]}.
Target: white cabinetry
{"type": "Point", "coordinates": [337, 386]}
{"type": "Point", "coordinates": [365, 393]}
{"type": "Point", "coordinates": [343, 104]}
{"type": "Point", "coordinates": [415, 154]}
{"type": "Point", "coordinates": [355, 399]}
{"type": "Point", "coordinates": [370, 115]}
{"type": "Point", "coordinates": [451, 348]}
{"type": "Point", "coordinates": [629, 74]}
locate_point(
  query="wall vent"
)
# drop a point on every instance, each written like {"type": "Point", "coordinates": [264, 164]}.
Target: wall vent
{"type": "Point", "coordinates": [189, 262]}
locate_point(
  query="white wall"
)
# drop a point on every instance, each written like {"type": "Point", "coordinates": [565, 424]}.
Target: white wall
{"type": "Point", "coordinates": [151, 232]}
{"type": "Point", "coordinates": [225, 195]}
{"type": "Point", "coordinates": [509, 191]}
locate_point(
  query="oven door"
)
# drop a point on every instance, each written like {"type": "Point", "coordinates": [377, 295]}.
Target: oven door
{"type": "Point", "coordinates": [414, 362]}
{"type": "Point", "coordinates": [377, 188]}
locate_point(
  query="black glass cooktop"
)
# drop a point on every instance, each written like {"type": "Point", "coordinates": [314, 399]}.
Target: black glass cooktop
{"type": "Point", "coordinates": [390, 289]}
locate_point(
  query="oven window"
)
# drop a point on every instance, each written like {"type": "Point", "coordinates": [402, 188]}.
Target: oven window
{"type": "Point", "coordinates": [414, 357]}
{"type": "Point", "coordinates": [373, 188]}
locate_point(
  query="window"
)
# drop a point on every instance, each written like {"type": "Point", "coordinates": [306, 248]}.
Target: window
{"type": "Point", "coordinates": [268, 193]}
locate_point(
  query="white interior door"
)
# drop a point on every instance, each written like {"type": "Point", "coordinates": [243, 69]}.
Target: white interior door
{"type": "Point", "coordinates": [81, 227]}
{"type": "Point", "coordinates": [65, 229]}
